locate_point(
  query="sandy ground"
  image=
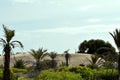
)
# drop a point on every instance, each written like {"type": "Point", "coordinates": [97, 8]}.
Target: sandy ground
{"type": "Point", "coordinates": [75, 60]}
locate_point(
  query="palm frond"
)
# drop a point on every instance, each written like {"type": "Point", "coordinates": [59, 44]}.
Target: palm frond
{"type": "Point", "coordinates": [2, 42]}
{"type": "Point", "coordinates": [9, 34]}
{"type": "Point", "coordinates": [38, 54]}
{"type": "Point", "coordinates": [34, 54]}
{"type": "Point", "coordinates": [42, 52]}
{"type": "Point", "coordinates": [52, 55]}
{"type": "Point", "coordinates": [17, 44]}
{"type": "Point", "coordinates": [116, 37]}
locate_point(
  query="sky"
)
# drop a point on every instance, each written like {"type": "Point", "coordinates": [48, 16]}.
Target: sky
{"type": "Point", "coordinates": [58, 25]}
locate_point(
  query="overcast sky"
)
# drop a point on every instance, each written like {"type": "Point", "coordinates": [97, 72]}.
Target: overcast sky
{"type": "Point", "coordinates": [58, 25]}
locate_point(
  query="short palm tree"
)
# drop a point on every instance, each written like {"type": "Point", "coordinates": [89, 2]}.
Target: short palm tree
{"type": "Point", "coordinates": [53, 55]}
{"type": "Point", "coordinates": [116, 37]}
{"type": "Point", "coordinates": [95, 61]}
{"type": "Point", "coordinates": [38, 55]}
{"type": "Point", "coordinates": [67, 57]}
{"type": "Point", "coordinates": [7, 47]}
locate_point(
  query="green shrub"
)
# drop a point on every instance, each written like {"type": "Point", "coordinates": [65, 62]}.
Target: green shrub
{"type": "Point", "coordinates": [12, 76]}
{"type": "Point", "coordinates": [16, 70]}
{"type": "Point", "coordinates": [63, 68]}
{"type": "Point", "coordinates": [92, 74]}
{"type": "Point", "coordinates": [1, 72]}
{"type": "Point", "coordinates": [19, 64]}
{"type": "Point", "coordinates": [93, 66]}
{"type": "Point", "coordinates": [108, 74]}
{"type": "Point", "coordinates": [55, 75]}
{"type": "Point", "coordinates": [21, 78]}
{"type": "Point", "coordinates": [62, 64]}
{"type": "Point", "coordinates": [85, 72]}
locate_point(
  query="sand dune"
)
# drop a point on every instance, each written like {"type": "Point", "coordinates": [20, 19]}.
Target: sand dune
{"type": "Point", "coordinates": [75, 60]}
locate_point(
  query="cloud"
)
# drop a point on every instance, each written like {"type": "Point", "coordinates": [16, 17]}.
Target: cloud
{"type": "Point", "coordinates": [76, 30]}
{"type": "Point", "coordinates": [94, 20]}
{"type": "Point", "coordinates": [24, 1]}
{"type": "Point", "coordinates": [85, 8]}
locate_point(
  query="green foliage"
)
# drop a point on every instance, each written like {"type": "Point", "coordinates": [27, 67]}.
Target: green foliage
{"type": "Point", "coordinates": [84, 71]}
{"type": "Point", "coordinates": [106, 74]}
{"type": "Point", "coordinates": [92, 46]}
{"type": "Point", "coordinates": [1, 66]}
{"type": "Point", "coordinates": [62, 64]}
{"type": "Point", "coordinates": [21, 78]}
{"type": "Point", "coordinates": [12, 75]}
{"type": "Point", "coordinates": [19, 64]}
{"type": "Point", "coordinates": [68, 73]}
{"type": "Point", "coordinates": [63, 69]}
{"type": "Point", "coordinates": [16, 70]}
{"type": "Point", "coordinates": [38, 54]}
{"type": "Point", "coordinates": [109, 65]}
{"type": "Point", "coordinates": [52, 55]}
{"type": "Point", "coordinates": [15, 73]}
{"type": "Point", "coordinates": [116, 37]}
{"type": "Point", "coordinates": [1, 73]}
{"type": "Point", "coordinates": [93, 66]}
{"type": "Point", "coordinates": [92, 74]}
{"type": "Point", "coordinates": [52, 75]}
{"type": "Point", "coordinates": [47, 64]}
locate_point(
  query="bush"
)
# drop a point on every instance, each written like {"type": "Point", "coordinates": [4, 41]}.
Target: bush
{"type": "Point", "coordinates": [55, 75]}
{"type": "Point", "coordinates": [92, 74]}
{"type": "Point", "coordinates": [63, 69]}
{"type": "Point", "coordinates": [93, 66]}
{"type": "Point", "coordinates": [107, 74]}
{"type": "Point", "coordinates": [1, 72]}
{"type": "Point", "coordinates": [19, 64]}
{"type": "Point", "coordinates": [12, 76]}
{"type": "Point", "coordinates": [47, 64]}
{"type": "Point", "coordinates": [16, 70]}
{"type": "Point", "coordinates": [85, 72]}
{"type": "Point", "coordinates": [21, 78]}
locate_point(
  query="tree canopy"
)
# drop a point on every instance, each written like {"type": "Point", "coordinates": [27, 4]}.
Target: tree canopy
{"type": "Point", "coordinates": [92, 46]}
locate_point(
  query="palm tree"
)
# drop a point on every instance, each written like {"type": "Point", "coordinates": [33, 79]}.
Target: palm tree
{"type": "Point", "coordinates": [38, 55]}
{"type": "Point", "coordinates": [53, 55]}
{"type": "Point", "coordinates": [7, 47]}
{"type": "Point", "coordinates": [67, 57]}
{"type": "Point", "coordinates": [116, 37]}
{"type": "Point", "coordinates": [95, 61]}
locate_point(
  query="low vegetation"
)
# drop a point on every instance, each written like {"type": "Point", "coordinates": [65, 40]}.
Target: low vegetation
{"type": "Point", "coordinates": [67, 73]}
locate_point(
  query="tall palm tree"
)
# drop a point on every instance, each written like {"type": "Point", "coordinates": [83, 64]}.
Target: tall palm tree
{"type": "Point", "coordinates": [116, 37]}
{"type": "Point", "coordinates": [67, 57]}
{"type": "Point", "coordinates": [53, 55]}
{"type": "Point", "coordinates": [38, 55]}
{"type": "Point", "coordinates": [7, 47]}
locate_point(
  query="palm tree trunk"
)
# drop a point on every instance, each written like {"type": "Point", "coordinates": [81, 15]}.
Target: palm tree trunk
{"type": "Point", "coordinates": [53, 63]}
{"type": "Point", "coordinates": [67, 62]}
{"type": "Point", "coordinates": [119, 65]}
{"type": "Point", "coordinates": [6, 71]}
{"type": "Point", "coordinates": [37, 65]}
